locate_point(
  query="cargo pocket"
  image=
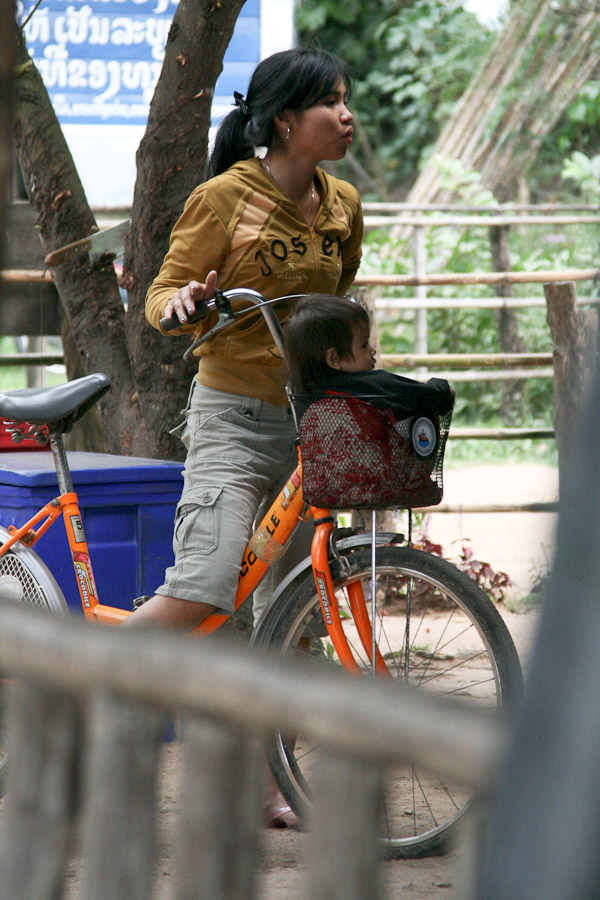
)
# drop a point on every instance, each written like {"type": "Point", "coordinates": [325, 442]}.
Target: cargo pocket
{"type": "Point", "coordinates": [198, 521]}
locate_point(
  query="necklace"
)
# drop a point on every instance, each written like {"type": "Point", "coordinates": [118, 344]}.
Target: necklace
{"type": "Point", "coordinates": [312, 189]}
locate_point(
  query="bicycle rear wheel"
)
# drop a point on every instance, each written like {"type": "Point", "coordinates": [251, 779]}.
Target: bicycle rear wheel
{"type": "Point", "coordinates": [435, 629]}
{"type": "Point", "coordinates": [40, 590]}
{"type": "Point", "coordinates": [39, 586]}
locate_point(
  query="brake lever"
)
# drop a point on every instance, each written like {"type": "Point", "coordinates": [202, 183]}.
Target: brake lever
{"type": "Point", "coordinates": [226, 317]}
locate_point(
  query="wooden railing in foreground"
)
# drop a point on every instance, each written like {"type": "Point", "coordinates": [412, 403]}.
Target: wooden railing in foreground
{"type": "Point", "coordinates": [93, 701]}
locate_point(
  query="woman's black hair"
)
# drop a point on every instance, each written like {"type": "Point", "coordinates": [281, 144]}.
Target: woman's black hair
{"type": "Point", "coordinates": [320, 321]}
{"type": "Point", "coordinates": [292, 79]}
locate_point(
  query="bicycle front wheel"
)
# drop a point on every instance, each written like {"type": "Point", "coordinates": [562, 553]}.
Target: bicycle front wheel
{"type": "Point", "coordinates": [39, 589]}
{"type": "Point", "coordinates": [435, 629]}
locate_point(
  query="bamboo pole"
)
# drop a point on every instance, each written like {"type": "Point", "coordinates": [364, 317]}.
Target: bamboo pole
{"type": "Point", "coordinates": [501, 434]}
{"type": "Point", "coordinates": [491, 375]}
{"type": "Point", "coordinates": [485, 221]}
{"type": "Point", "coordinates": [481, 277]}
{"type": "Point", "coordinates": [31, 359]}
{"type": "Point", "coordinates": [392, 206]}
{"type": "Point", "coordinates": [22, 276]}
{"type": "Point", "coordinates": [467, 360]}
{"type": "Point", "coordinates": [408, 303]}
{"type": "Point", "coordinates": [478, 103]}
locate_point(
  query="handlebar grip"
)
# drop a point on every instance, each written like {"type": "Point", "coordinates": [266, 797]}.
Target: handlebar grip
{"type": "Point", "coordinates": [173, 322]}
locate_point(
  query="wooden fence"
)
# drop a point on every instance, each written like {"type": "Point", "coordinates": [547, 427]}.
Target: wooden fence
{"type": "Point", "coordinates": [87, 712]}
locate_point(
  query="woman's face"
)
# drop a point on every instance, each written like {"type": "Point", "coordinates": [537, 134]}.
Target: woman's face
{"type": "Point", "coordinates": [322, 131]}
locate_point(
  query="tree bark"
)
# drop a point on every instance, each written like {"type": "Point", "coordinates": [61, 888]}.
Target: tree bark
{"type": "Point", "coordinates": [90, 296]}
{"type": "Point", "coordinates": [7, 29]}
{"type": "Point", "coordinates": [171, 162]}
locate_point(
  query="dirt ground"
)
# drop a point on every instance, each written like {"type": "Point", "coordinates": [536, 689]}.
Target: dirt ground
{"type": "Point", "coordinates": [518, 543]}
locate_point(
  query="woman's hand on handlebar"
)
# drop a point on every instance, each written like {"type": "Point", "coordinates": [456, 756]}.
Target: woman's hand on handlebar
{"type": "Point", "coordinates": [183, 303]}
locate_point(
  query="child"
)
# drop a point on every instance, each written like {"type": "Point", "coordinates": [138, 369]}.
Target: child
{"type": "Point", "coordinates": [369, 438]}
{"type": "Point", "coordinates": [328, 348]}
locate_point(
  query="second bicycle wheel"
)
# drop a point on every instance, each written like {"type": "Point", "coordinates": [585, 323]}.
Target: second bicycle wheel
{"type": "Point", "coordinates": [437, 630]}
{"type": "Point", "coordinates": [37, 582]}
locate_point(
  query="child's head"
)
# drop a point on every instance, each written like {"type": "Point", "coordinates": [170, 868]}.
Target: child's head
{"type": "Point", "coordinates": [326, 334]}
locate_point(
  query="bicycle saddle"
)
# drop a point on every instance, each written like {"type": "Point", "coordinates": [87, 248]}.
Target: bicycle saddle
{"type": "Point", "coordinates": [58, 407]}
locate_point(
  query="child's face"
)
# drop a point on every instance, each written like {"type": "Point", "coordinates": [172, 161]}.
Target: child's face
{"type": "Point", "coordinates": [362, 358]}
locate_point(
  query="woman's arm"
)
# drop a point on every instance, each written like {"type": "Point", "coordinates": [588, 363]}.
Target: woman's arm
{"type": "Point", "coordinates": [199, 244]}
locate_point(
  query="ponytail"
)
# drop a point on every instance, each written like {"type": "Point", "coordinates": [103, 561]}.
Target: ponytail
{"type": "Point", "coordinates": [231, 143]}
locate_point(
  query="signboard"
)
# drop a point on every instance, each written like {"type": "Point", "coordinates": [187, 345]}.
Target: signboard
{"type": "Point", "coordinates": [100, 61]}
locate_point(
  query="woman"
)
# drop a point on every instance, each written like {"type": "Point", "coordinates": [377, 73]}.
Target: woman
{"type": "Point", "coordinates": [280, 225]}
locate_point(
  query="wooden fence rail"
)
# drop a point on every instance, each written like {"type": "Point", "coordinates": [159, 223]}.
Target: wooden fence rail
{"type": "Point", "coordinates": [93, 700]}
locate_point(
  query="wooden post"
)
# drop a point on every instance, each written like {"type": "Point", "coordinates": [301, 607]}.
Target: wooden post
{"type": "Point", "coordinates": [342, 851]}
{"type": "Point", "coordinates": [574, 337]}
{"type": "Point", "coordinates": [37, 834]}
{"type": "Point", "coordinates": [217, 840]}
{"type": "Point", "coordinates": [420, 264]}
{"type": "Point", "coordinates": [119, 845]}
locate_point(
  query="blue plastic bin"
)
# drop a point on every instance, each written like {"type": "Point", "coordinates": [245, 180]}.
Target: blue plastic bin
{"type": "Point", "coordinates": [128, 508]}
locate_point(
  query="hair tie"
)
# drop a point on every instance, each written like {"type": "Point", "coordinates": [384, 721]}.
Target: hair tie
{"type": "Point", "coordinates": [241, 104]}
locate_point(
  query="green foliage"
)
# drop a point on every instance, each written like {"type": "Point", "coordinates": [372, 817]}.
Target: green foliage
{"type": "Point", "coordinates": [451, 249]}
{"type": "Point", "coordinates": [411, 62]}
{"type": "Point", "coordinates": [578, 131]}
{"type": "Point", "coordinates": [585, 172]}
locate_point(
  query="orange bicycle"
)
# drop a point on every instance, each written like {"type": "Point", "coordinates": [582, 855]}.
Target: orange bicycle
{"type": "Point", "coordinates": [364, 600]}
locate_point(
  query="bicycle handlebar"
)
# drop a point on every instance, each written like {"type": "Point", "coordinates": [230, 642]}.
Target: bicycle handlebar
{"type": "Point", "coordinates": [172, 322]}
{"type": "Point", "coordinates": [227, 315]}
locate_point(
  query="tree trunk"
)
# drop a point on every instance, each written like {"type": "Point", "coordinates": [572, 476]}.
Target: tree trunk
{"type": "Point", "coordinates": [171, 162]}
{"type": "Point", "coordinates": [90, 296]}
{"type": "Point", "coordinates": [7, 29]}
{"type": "Point", "coordinates": [508, 329]}
{"type": "Point", "coordinates": [150, 381]}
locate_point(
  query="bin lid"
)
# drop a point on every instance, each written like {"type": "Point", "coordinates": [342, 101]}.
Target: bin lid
{"type": "Point", "coordinates": [36, 468]}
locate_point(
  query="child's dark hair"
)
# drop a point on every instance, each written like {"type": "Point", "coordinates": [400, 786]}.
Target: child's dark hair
{"type": "Point", "coordinates": [320, 321]}
{"type": "Point", "coordinates": [292, 79]}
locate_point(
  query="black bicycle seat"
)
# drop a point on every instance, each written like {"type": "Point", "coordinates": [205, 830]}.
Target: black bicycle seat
{"type": "Point", "coordinates": [58, 407]}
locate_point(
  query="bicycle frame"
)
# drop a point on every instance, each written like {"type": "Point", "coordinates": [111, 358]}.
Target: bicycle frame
{"type": "Point", "coordinates": [265, 547]}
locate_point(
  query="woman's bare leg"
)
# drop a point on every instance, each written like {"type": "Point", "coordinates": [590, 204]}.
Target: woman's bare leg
{"type": "Point", "coordinates": [170, 612]}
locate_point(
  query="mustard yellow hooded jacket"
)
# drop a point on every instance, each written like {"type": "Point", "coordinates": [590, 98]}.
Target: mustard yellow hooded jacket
{"type": "Point", "coordinates": [246, 228]}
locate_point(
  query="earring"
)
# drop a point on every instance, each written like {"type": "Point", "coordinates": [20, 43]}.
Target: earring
{"type": "Point", "coordinates": [287, 134]}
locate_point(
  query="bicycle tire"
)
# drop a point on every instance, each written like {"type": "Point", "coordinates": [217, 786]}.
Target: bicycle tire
{"type": "Point", "coordinates": [40, 590]}
{"type": "Point", "coordinates": [460, 646]}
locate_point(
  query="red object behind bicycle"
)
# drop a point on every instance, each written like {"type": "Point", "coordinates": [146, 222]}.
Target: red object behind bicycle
{"type": "Point", "coordinates": [22, 430]}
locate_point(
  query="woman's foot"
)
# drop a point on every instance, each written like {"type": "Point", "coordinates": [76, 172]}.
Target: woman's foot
{"type": "Point", "coordinates": [277, 813]}
{"type": "Point", "coordinates": [282, 817]}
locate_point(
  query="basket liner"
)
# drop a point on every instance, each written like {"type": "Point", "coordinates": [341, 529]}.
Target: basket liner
{"type": "Point", "coordinates": [372, 451]}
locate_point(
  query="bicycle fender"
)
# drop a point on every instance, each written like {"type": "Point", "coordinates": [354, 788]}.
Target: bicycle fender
{"type": "Point", "coordinates": [383, 538]}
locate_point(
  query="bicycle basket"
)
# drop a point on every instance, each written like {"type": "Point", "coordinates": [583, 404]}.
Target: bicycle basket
{"type": "Point", "coordinates": [367, 452]}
